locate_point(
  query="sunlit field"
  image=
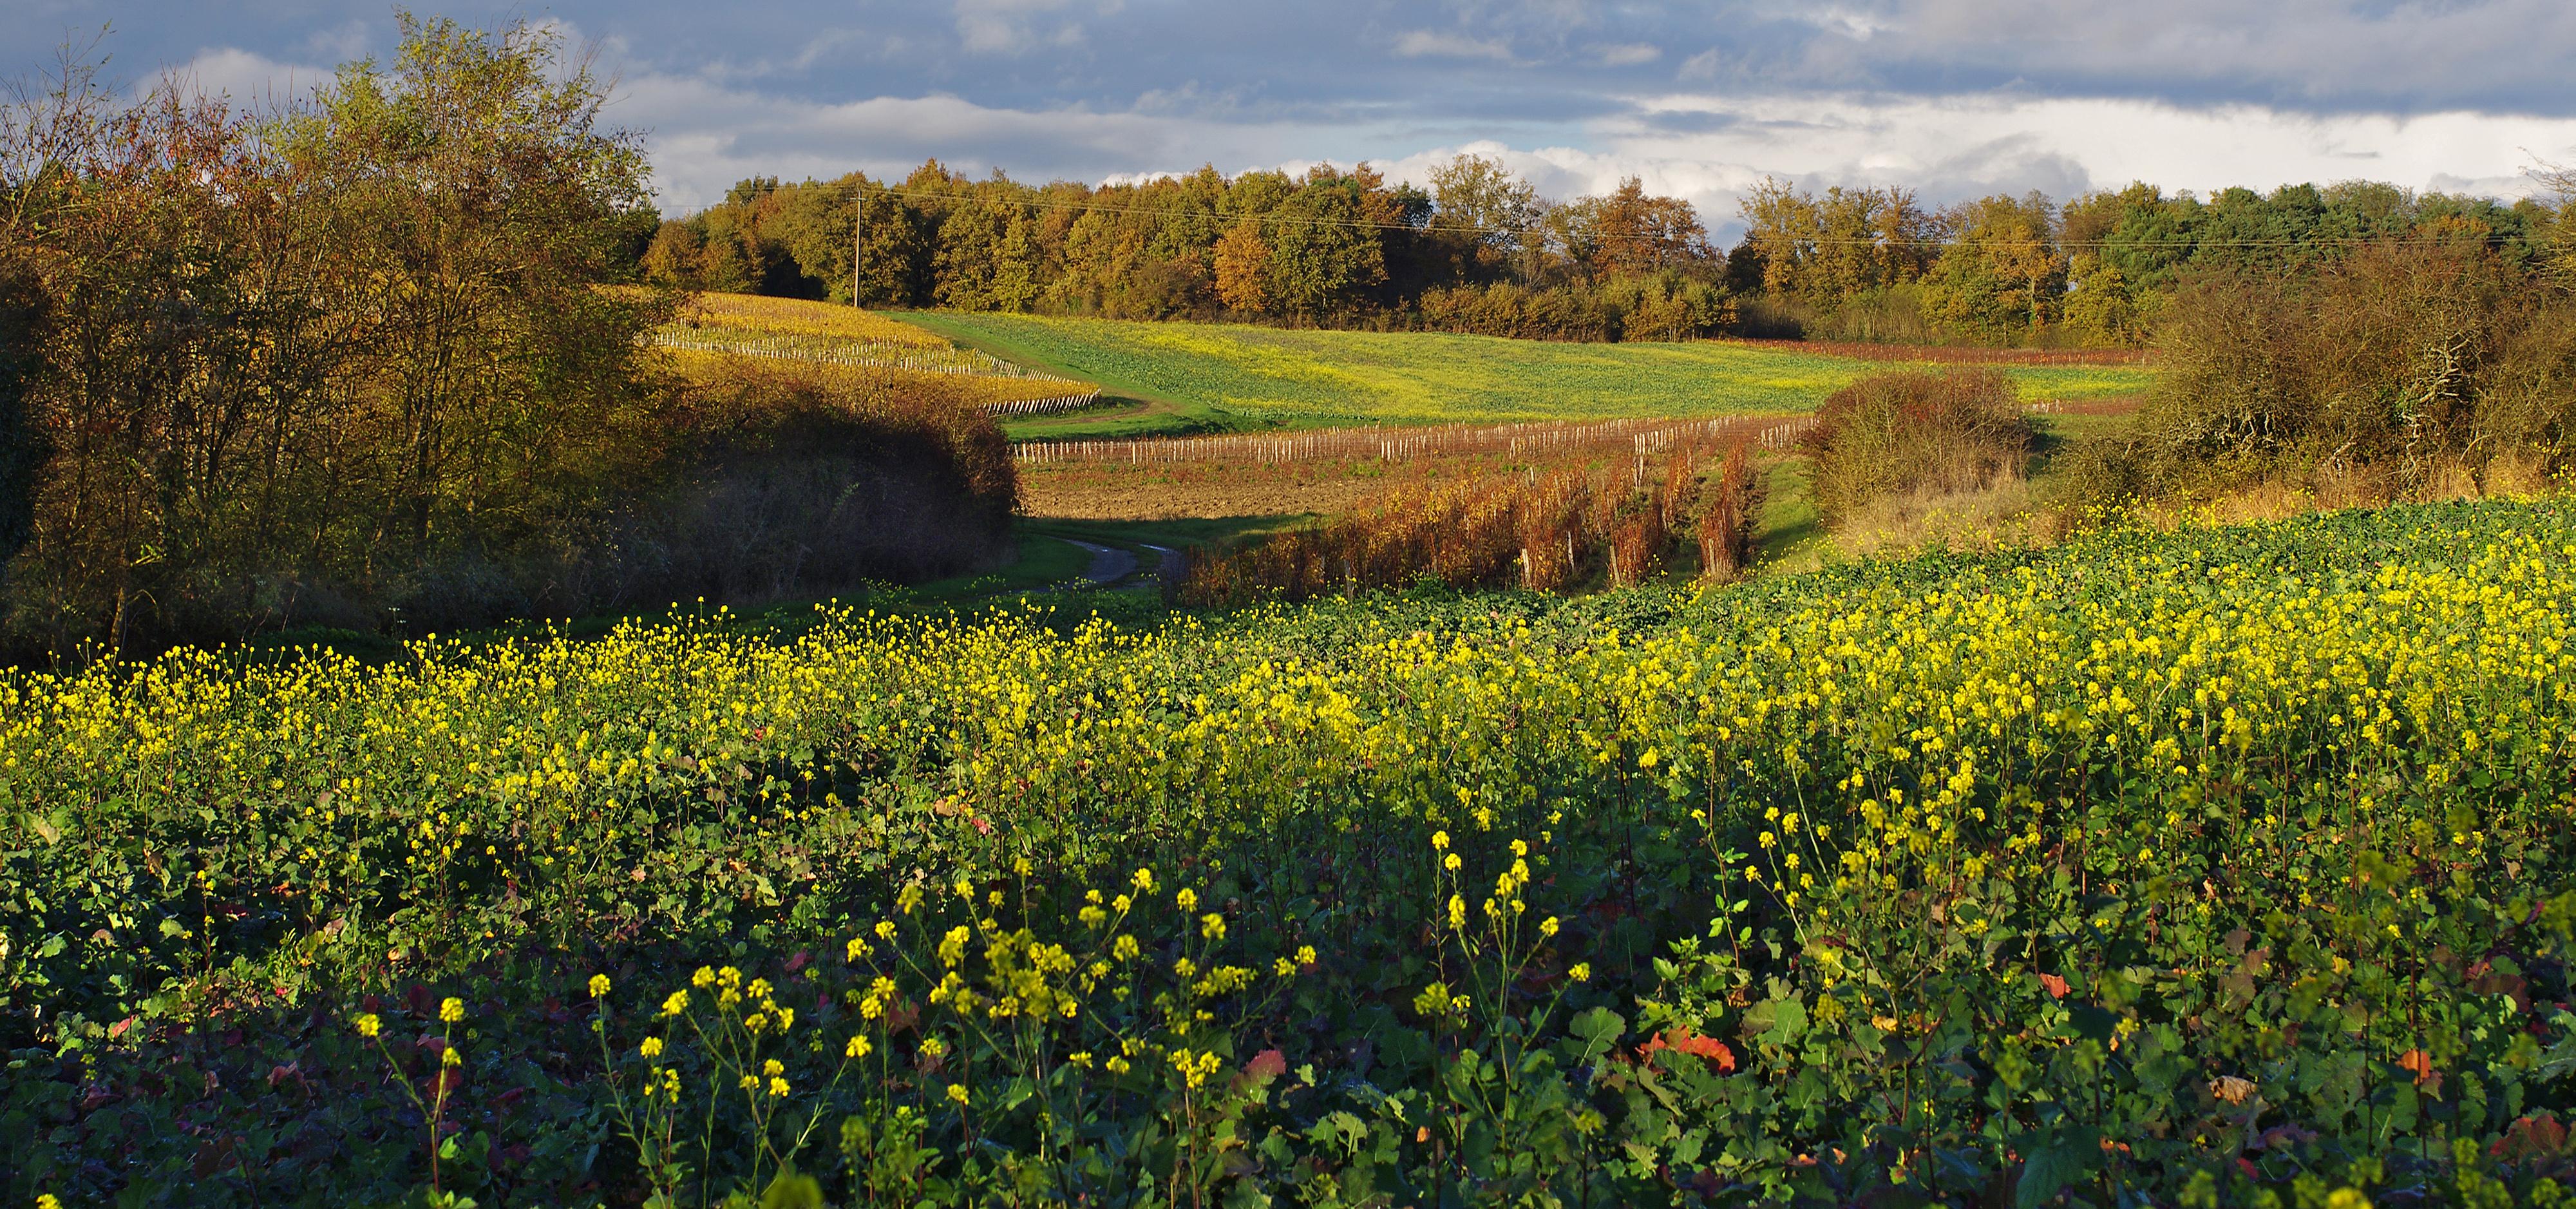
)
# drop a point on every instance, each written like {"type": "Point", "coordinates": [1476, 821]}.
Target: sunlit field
{"type": "Point", "coordinates": [1278, 376]}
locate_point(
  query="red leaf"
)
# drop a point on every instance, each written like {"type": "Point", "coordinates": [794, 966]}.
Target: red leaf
{"type": "Point", "coordinates": [1682, 1040]}
{"type": "Point", "coordinates": [2419, 1064]}
{"type": "Point", "coordinates": [1268, 1064]}
{"type": "Point", "coordinates": [2057, 987]}
{"type": "Point", "coordinates": [1707, 1047]}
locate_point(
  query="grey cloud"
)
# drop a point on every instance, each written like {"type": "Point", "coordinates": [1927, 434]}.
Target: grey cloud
{"type": "Point", "coordinates": [1706, 95]}
{"type": "Point", "coordinates": [1424, 43]}
{"type": "Point", "coordinates": [2323, 56]}
{"type": "Point", "coordinates": [1626, 54]}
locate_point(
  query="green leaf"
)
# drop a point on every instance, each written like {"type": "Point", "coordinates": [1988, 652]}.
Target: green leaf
{"type": "Point", "coordinates": [1776, 1021]}
{"type": "Point", "coordinates": [792, 1191]}
{"type": "Point", "coordinates": [2051, 1168]}
{"type": "Point", "coordinates": [1599, 1029]}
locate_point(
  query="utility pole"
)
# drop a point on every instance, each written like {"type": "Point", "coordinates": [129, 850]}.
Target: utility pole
{"type": "Point", "coordinates": [858, 240]}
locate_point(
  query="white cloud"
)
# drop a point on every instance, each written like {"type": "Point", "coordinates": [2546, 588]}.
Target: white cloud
{"type": "Point", "coordinates": [705, 136]}
{"type": "Point", "coordinates": [1957, 148]}
{"type": "Point", "coordinates": [1834, 18]}
{"type": "Point", "coordinates": [251, 81]}
{"type": "Point", "coordinates": [1423, 43]}
{"type": "Point", "coordinates": [340, 43]}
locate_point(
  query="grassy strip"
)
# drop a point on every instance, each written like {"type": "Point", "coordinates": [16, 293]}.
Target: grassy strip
{"type": "Point", "coordinates": [1232, 376]}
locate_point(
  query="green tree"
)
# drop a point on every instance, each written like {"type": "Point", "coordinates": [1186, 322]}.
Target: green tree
{"type": "Point", "coordinates": [2001, 275]}
{"type": "Point", "coordinates": [1830, 251]}
{"type": "Point", "coordinates": [477, 197]}
{"type": "Point", "coordinates": [1492, 217]}
{"type": "Point", "coordinates": [2100, 307]}
{"type": "Point", "coordinates": [1017, 265]}
{"type": "Point", "coordinates": [895, 251]}
{"type": "Point", "coordinates": [1322, 254]}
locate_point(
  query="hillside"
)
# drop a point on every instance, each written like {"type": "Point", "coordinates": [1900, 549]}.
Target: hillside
{"type": "Point", "coordinates": [1221, 376]}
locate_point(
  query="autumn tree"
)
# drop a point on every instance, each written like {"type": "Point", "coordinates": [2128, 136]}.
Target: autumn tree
{"type": "Point", "coordinates": [2560, 222]}
{"type": "Point", "coordinates": [174, 348]}
{"type": "Point", "coordinates": [263, 355]}
{"type": "Point", "coordinates": [2001, 274]}
{"type": "Point", "coordinates": [1630, 232]}
{"type": "Point", "coordinates": [1243, 268]}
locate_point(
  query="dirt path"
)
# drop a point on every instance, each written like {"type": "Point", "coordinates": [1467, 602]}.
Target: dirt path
{"type": "Point", "coordinates": [1109, 564]}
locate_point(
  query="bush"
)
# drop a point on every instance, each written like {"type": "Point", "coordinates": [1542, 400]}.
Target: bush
{"type": "Point", "coordinates": [1915, 432]}
{"type": "Point", "coordinates": [2530, 398]}
{"type": "Point", "coordinates": [2402, 367]}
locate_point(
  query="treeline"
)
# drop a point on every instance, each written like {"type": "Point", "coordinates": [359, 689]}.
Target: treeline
{"type": "Point", "coordinates": [2103, 269]}
{"type": "Point", "coordinates": [348, 364]}
{"type": "Point", "coordinates": [1479, 251]}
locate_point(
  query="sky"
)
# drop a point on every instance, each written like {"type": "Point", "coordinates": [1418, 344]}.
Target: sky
{"type": "Point", "coordinates": [1953, 98]}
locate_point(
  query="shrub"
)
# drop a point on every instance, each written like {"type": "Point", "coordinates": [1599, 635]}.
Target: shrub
{"type": "Point", "coordinates": [1916, 432]}
{"type": "Point", "coordinates": [2404, 366]}
{"type": "Point", "coordinates": [2530, 399]}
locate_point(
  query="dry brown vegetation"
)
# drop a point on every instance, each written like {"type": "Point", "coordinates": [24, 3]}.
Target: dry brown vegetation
{"type": "Point", "coordinates": [1335, 470]}
{"type": "Point", "coordinates": [1568, 523]}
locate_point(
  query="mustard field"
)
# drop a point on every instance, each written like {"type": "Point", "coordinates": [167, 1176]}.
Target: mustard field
{"type": "Point", "coordinates": [2219, 866]}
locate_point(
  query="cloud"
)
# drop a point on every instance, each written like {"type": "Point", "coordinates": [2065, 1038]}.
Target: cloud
{"type": "Point", "coordinates": [340, 43]}
{"type": "Point", "coordinates": [1708, 147]}
{"type": "Point", "coordinates": [1423, 43]}
{"type": "Point", "coordinates": [1954, 97]}
{"type": "Point", "coordinates": [1011, 27]}
{"type": "Point", "coordinates": [250, 81]}
{"type": "Point", "coordinates": [2318, 55]}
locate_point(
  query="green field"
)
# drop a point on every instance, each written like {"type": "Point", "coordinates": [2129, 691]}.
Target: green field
{"type": "Point", "coordinates": [1211, 376]}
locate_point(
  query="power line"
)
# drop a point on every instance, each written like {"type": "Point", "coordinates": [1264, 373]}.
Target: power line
{"type": "Point", "coordinates": [1273, 217]}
